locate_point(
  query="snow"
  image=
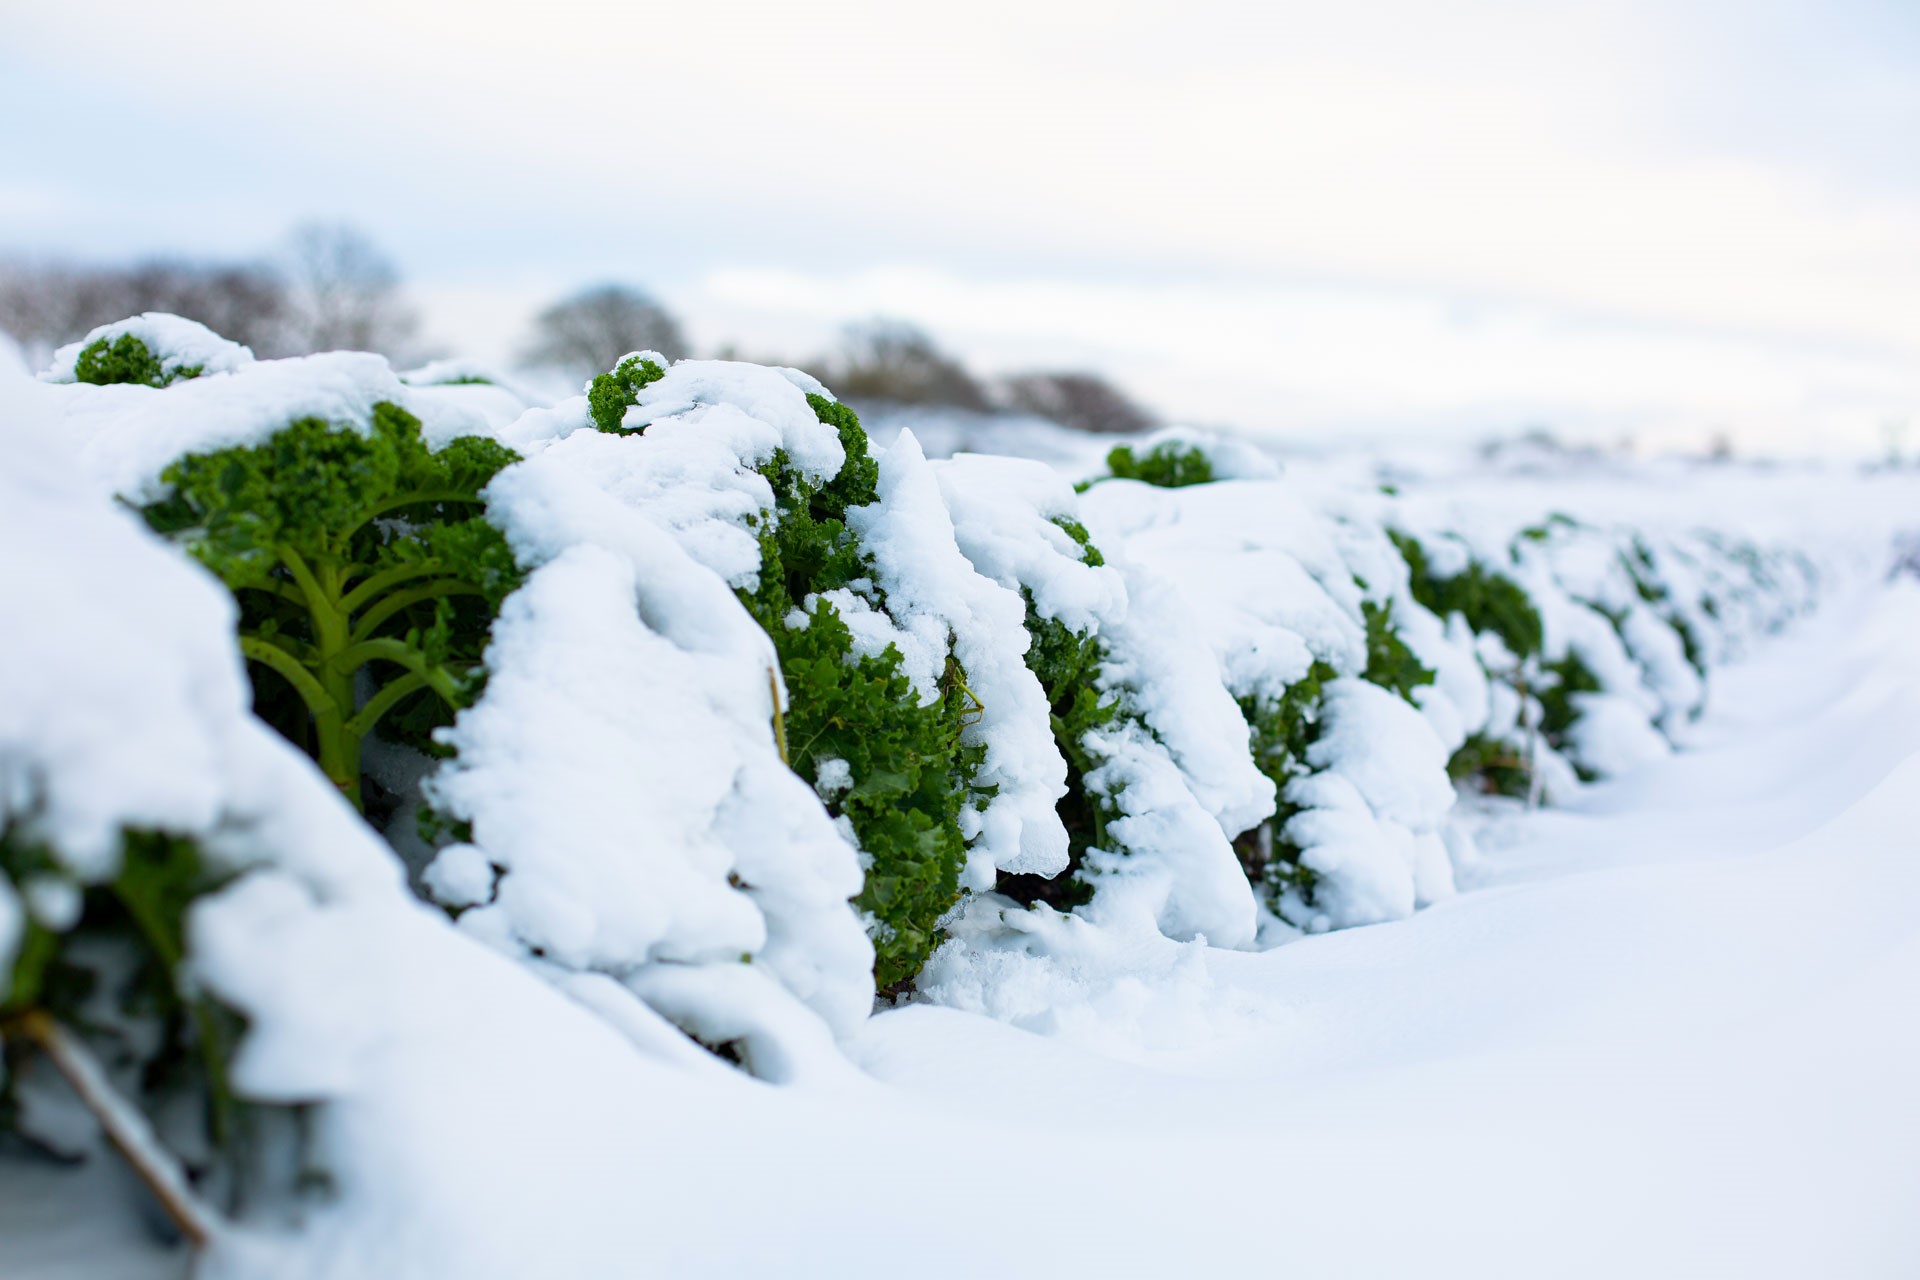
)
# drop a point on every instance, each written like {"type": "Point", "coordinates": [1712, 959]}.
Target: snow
{"type": "Point", "coordinates": [1004, 513]}
{"type": "Point", "coordinates": [1372, 810]}
{"type": "Point", "coordinates": [124, 436]}
{"type": "Point", "coordinates": [620, 847]}
{"type": "Point", "coordinates": [1667, 1067]}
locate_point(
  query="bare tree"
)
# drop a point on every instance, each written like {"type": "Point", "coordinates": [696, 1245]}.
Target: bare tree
{"type": "Point", "coordinates": [1083, 400]}
{"type": "Point", "coordinates": [47, 304]}
{"type": "Point", "coordinates": [343, 294]}
{"type": "Point", "coordinates": [589, 331]}
{"type": "Point", "coordinates": [246, 302]}
{"type": "Point", "coordinates": [886, 359]}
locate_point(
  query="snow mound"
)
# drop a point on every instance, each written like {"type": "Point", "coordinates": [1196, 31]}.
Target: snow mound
{"type": "Point", "coordinates": [178, 345]}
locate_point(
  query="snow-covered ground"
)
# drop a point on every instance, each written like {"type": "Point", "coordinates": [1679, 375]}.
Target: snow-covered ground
{"type": "Point", "coordinates": [1669, 1029]}
{"type": "Point", "coordinates": [1673, 1032]}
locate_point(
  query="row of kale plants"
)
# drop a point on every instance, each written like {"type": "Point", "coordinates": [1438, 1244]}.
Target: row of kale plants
{"type": "Point", "coordinates": [727, 722]}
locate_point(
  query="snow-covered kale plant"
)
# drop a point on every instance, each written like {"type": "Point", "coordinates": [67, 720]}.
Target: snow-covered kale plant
{"type": "Point", "coordinates": [1175, 457]}
{"type": "Point", "coordinates": [1169, 464]}
{"type": "Point", "coordinates": [153, 836]}
{"type": "Point", "coordinates": [898, 767]}
{"type": "Point", "coordinates": [1449, 580]}
{"type": "Point", "coordinates": [792, 691]}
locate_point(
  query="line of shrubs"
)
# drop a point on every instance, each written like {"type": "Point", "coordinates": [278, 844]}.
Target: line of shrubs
{"type": "Point", "coordinates": [371, 568]}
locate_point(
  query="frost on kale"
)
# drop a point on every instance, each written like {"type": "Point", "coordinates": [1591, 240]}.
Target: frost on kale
{"type": "Point", "coordinates": [366, 575]}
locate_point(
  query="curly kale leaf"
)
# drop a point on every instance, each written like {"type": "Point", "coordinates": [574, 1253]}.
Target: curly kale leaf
{"type": "Point", "coordinates": [367, 577]}
{"type": "Point", "coordinates": [1390, 663]}
{"type": "Point", "coordinates": [612, 394]}
{"type": "Point", "coordinates": [1089, 554]}
{"type": "Point", "coordinates": [127, 360]}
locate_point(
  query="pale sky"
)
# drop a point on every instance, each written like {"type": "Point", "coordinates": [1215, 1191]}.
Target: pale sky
{"type": "Point", "coordinates": [1380, 217]}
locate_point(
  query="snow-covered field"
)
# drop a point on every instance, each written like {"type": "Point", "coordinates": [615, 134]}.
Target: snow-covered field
{"type": "Point", "coordinates": [1662, 1024]}
{"type": "Point", "coordinates": [1670, 1030]}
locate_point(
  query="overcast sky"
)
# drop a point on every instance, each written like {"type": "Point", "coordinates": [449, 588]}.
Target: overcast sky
{"type": "Point", "coordinates": [1663, 218]}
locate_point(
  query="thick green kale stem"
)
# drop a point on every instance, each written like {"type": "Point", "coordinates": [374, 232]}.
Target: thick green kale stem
{"type": "Point", "coordinates": [365, 576]}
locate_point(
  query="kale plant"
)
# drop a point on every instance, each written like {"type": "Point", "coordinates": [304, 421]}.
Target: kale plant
{"type": "Point", "coordinates": [127, 360]}
{"type": "Point", "coordinates": [610, 395]}
{"type": "Point", "coordinates": [907, 770]}
{"type": "Point", "coordinates": [114, 977]}
{"type": "Point", "coordinates": [1067, 664]}
{"type": "Point", "coordinates": [1498, 767]}
{"type": "Point", "coordinates": [1279, 731]}
{"type": "Point", "coordinates": [1564, 679]}
{"type": "Point", "coordinates": [1390, 663]}
{"type": "Point", "coordinates": [1169, 464]}
{"type": "Point", "coordinates": [366, 576]}
{"type": "Point", "coordinates": [1489, 601]}
{"type": "Point", "coordinates": [1651, 590]}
